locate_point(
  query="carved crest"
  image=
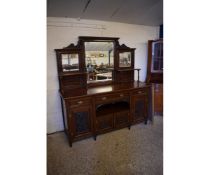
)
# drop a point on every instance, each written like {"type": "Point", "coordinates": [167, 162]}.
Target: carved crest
{"type": "Point", "coordinates": [71, 46]}
{"type": "Point", "coordinates": [123, 46]}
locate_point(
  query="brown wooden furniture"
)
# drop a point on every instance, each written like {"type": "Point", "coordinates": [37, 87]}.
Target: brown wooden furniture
{"type": "Point", "coordinates": [91, 108]}
{"type": "Point", "coordinates": [155, 73]}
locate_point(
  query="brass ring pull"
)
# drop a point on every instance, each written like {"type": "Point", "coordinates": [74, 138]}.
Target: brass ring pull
{"type": "Point", "coordinates": [80, 102]}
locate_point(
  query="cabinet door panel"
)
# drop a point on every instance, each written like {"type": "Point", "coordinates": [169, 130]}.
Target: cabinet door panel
{"type": "Point", "coordinates": [105, 123]}
{"type": "Point", "coordinates": [81, 121]}
{"type": "Point", "coordinates": [139, 108]}
{"type": "Point", "coordinates": [158, 99]}
{"type": "Point", "coordinates": [121, 119]}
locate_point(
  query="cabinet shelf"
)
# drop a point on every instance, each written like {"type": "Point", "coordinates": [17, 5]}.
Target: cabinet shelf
{"type": "Point", "coordinates": [109, 108]}
{"type": "Point", "coordinates": [71, 74]}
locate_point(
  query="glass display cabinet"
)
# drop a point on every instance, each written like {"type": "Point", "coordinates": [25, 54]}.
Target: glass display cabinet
{"type": "Point", "coordinates": [155, 61]}
{"type": "Point", "coordinates": [155, 73]}
{"type": "Point", "coordinates": [157, 56]}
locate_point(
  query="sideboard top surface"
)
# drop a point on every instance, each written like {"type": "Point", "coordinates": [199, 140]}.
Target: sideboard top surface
{"type": "Point", "coordinates": [69, 93]}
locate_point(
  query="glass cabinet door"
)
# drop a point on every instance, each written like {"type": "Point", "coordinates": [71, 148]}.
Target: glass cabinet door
{"type": "Point", "coordinates": [157, 56]}
{"type": "Point", "coordinates": [81, 121]}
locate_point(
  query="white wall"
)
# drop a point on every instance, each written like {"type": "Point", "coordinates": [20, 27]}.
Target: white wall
{"type": "Point", "coordinates": [63, 31]}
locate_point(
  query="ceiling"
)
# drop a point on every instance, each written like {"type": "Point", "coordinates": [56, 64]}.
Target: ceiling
{"type": "Point", "coordinates": [141, 12]}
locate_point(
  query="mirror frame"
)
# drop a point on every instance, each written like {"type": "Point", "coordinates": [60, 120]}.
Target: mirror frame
{"type": "Point", "coordinates": [79, 49]}
{"type": "Point", "coordinates": [83, 39]}
{"type": "Point", "coordinates": [121, 49]}
{"type": "Point", "coordinates": [68, 61]}
{"type": "Point", "coordinates": [71, 49]}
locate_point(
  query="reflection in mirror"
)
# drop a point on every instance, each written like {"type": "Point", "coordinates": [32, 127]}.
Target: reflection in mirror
{"type": "Point", "coordinates": [99, 59]}
{"type": "Point", "coordinates": [70, 62]}
{"type": "Point", "coordinates": [125, 59]}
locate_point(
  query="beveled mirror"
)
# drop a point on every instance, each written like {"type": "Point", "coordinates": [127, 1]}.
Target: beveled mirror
{"type": "Point", "coordinates": [125, 59]}
{"type": "Point", "coordinates": [70, 62]}
{"type": "Point", "coordinates": [99, 60]}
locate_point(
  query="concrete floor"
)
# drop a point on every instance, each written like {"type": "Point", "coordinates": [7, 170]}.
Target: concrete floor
{"type": "Point", "coordinates": [138, 151]}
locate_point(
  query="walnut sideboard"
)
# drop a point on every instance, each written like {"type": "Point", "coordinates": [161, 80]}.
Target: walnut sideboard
{"type": "Point", "coordinates": [98, 88]}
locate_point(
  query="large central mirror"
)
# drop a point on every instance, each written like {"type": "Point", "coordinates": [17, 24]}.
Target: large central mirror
{"type": "Point", "coordinates": [99, 60]}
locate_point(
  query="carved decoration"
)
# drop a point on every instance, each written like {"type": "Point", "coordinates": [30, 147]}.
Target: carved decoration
{"type": "Point", "coordinates": [71, 46]}
{"type": "Point", "coordinates": [123, 46]}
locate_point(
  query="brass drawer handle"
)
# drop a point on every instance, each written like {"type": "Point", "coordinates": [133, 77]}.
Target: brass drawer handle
{"type": "Point", "coordinates": [121, 95]}
{"type": "Point", "coordinates": [103, 98]}
{"type": "Point", "coordinates": [80, 102]}
{"type": "Point", "coordinates": [140, 92]}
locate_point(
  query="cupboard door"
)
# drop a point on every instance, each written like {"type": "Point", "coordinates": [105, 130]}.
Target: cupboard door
{"type": "Point", "coordinates": [139, 108]}
{"type": "Point", "coordinates": [155, 61]}
{"type": "Point", "coordinates": [104, 123]}
{"type": "Point", "coordinates": [158, 99]}
{"type": "Point", "coordinates": [81, 121]}
{"type": "Point", "coordinates": [121, 119]}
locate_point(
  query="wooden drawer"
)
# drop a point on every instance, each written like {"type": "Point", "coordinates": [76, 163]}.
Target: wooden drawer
{"type": "Point", "coordinates": [111, 97]}
{"type": "Point", "coordinates": [80, 102]}
{"type": "Point", "coordinates": [140, 92]}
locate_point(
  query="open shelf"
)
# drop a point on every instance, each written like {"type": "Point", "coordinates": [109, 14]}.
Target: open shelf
{"type": "Point", "coordinates": [112, 108]}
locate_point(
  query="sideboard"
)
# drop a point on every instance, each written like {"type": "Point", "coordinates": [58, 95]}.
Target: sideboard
{"type": "Point", "coordinates": [93, 104]}
{"type": "Point", "coordinates": [102, 109]}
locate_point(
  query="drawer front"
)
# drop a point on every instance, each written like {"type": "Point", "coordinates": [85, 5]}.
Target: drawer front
{"type": "Point", "coordinates": [104, 123]}
{"type": "Point", "coordinates": [113, 97]}
{"type": "Point", "coordinates": [140, 92]}
{"type": "Point", "coordinates": [121, 119]}
{"type": "Point", "coordinates": [79, 102]}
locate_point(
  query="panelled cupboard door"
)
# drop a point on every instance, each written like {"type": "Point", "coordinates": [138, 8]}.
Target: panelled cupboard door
{"type": "Point", "coordinates": [121, 119]}
{"type": "Point", "coordinates": [158, 99]}
{"type": "Point", "coordinates": [104, 123]}
{"type": "Point", "coordinates": [139, 112]}
{"type": "Point", "coordinates": [81, 124]}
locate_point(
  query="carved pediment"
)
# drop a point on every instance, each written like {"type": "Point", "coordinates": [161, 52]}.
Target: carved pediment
{"type": "Point", "coordinates": [123, 46]}
{"type": "Point", "coordinates": [71, 46]}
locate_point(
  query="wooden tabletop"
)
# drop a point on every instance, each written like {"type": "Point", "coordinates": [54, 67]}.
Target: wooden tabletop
{"type": "Point", "coordinates": [69, 93]}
